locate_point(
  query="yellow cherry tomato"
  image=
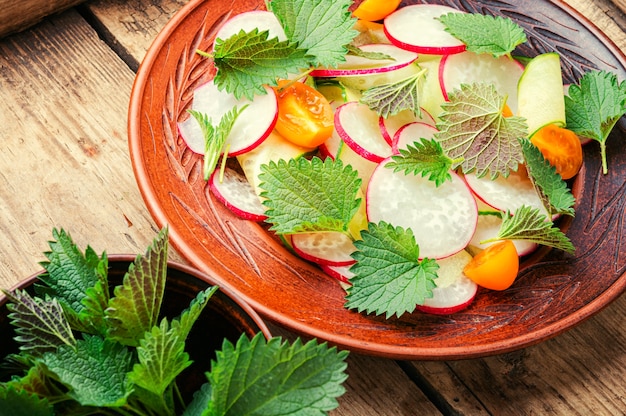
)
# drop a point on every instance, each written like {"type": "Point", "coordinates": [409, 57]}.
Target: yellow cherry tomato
{"type": "Point", "coordinates": [561, 147]}
{"type": "Point", "coordinates": [305, 116]}
{"type": "Point", "coordinates": [495, 267]}
{"type": "Point", "coordinates": [373, 10]}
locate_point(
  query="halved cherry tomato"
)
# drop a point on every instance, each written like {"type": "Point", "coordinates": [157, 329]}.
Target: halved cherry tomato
{"type": "Point", "coordinates": [495, 267]}
{"type": "Point", "coordinates": [305, 116]}
{"type": "Point", "coordinates": [506, 111]}
{"type": "Point", "coordinates": [561, 147]}
{"type": "Point", "coordinates": [373, 10]}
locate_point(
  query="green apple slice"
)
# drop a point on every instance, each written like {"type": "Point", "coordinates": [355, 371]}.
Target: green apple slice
{"type": "Point", "coordinates": [540, 92]}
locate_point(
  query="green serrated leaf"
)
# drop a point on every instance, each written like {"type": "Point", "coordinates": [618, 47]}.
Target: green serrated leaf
{"type": "Point", "coordinates": [136, 304]}
{"type": "Point", "coordinates": [390, 99]}
{"type": "Point", "coordinates": [215, 136]}
{"type": "Point", "coordinates": [40, 324]}
{"type": "Point", "coordinates": [162, 358]}
{"type": "Point", "coordinates": [323, 28]}
{"type": "Point", "coordinates": [69, 274]}
{"type": "Point", "coordinates": [388, 276]}
{"type": "Point", "coordinates": [189, 316]}
{"type": "Point", "coordinates": [531, 225]}
{"type": "Point", "coordinates": [482, 33]}
{"type": "Point", "coordinates": [303, 194]}
{"type": "Point", "coordinates": [272, 377]}
{"type": "Point", "coordinates": [557, 197]}
{"type": "Point", "coordinates": [594, 106]}
{"type": "Point", "coordinates": [247, 61]}
{"type": "Point", "coordinates": [95, 370]}
{"type": "Point", "coordinates": [17, 402]}
{"type": "Point", "coordinates": [200, 402]}
{"type": "Point", "coordinates": [39, 381]}
{"type": "Point", "coordinates": [425, 157]}
{"type": "Point", "coordinates": [473, 128]}
{"type": "Point", "coordinates": [375, 56]}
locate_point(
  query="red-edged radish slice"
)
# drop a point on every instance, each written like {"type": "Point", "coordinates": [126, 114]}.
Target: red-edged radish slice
{"type": "Point", "coordinates": [329, 247]}
{"type": "Point", "coordinates": [469, 67]}
{"type": "Point", "coordinates": [454, 291]}
{"type": "Point", "coordinates": [341, 273]}
{"type": "Point", "coordinates": [443, 218]}
{"type": "Point", "coordinates": [236, 193]}
{"type": "Point", "coordinates": [506, 194]}
{"type": "Point", "coordinates": [359, 65]}
{"type": "Point", "coordinates": [432, 96]}
{"type": "Point", "coordinates": [389, 126]}
{"type": "Point", "coordinates": [337, 149]}
{"type": "Point", "coordinates": [252, 126]}
{"type": "Point", "coordinates": [411, 133]}
{"type": "Point", "coordinates": [357, 125]}
{"type": "Point", "coordinates": [274, 148]}
{"type": "Point", "coordinates": [488, 227]}
{"type": "Point", "coordinates": [416, 28]}
{"type": "Point", "coordinates": [250, 20]}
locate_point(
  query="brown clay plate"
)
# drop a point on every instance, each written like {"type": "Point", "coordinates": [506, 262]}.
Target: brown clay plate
{"type": "Point", "coordinates": [554, 291]}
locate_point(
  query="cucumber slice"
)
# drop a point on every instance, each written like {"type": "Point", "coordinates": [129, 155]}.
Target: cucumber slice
{"type": "Point", "coordinates": [540, 98]}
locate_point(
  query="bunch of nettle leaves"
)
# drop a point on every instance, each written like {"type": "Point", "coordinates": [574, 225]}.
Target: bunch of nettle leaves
{"type": "Point", "coordinates": [86, 349]}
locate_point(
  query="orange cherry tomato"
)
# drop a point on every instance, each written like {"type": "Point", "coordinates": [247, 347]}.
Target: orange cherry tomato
{"type": "Point", "coordinates": [561, 147]}
{"type": "Point", "coordinates": [305, 116]}
{"type": "Point", "coordinates": [506, 111]}
{"type": "Point", "coordinates": [373, 10]}
{"type": "Point", "coordinates": [495, 267]}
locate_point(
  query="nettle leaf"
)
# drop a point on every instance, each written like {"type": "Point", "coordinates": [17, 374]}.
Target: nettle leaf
{"type": "Point", "coordinates": [301, 194]}
{"type": "Point", "coordinates": [247, 61]}
{"type": "Point", "coordinates": [40, 324]}
{"type": "Point", "coordinates": [162, 358]}
{"type": "Point", "coordinates": [38, 380]}
{"type": "Point", "coordinates": [272, 377]}
{"type": "Point", "coordinates": [18, 402]}
{"type": "Point", "coordinates": [425, 157]}
{"type": "Point", "coordinates": [557, 197]}
{"type": "Point", "coordinates": [390, 99]}
{"type": "Point", "coordinates": [388, 276]}
{"type": "Point", "coordinates": [531, 225]}
{"type": "Point", "coordinates": [189, 316]}
{"type": "Point", "coordinates": [95, 370]}
{"type": "Point", "coordinates": [136, 304]}
{"type": "Point", "coordinates": [594, 106]}
{"type": "Point", "coordinates": [323, 28]}
{"type": "Point", "coordinates": [200, 401]}
{"type": "Point", "coordinates": [482, 33]}
{"type": "Point", "coordinates": [69, 273]}
{"type": "Point", "coordinates": [473, 128]}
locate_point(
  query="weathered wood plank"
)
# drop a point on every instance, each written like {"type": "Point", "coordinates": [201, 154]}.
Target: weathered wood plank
{"type": "Point", "coordinates": [18, 15]}
{"type": "Point", "coordinates": [580, 372]}
{"type": "Point", "coordinates": [63, 106]}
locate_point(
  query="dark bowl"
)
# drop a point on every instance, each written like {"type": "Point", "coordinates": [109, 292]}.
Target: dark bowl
{"type": "Point", "coordinates": [553, 292]}
{"type": "Point", "coordinates": [226, 316]}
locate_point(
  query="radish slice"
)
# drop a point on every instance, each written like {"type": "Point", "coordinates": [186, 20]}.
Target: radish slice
{"type": "Point", "coordinates": [411, 133]}
{"type": "Point", "coordinates": [416, 28]}
{"type": "Point", "coordinates": [454, 291]}
{"type": "Point", "coordinates": [336, 148]}
{"type": "Point", "coordinates": [469, 67]}
{"type": "Point", "coordinates": [252, 126]}
{"type": "Point", "coordinates": [357, 125]}
{"type": "Point", "coordinates": [329, 248]}
{"type": "Point", "coordinates": [443, 218]}
{"type": "Point", "coordinates": [506, 194]}
{"type": "Point", "coordinates": [359, 65]}
{"type": "Point", "coordinates": [341, 273]}
{"type": "Point", "coordinates": [390, 126]}
{"type": "Point", "coordinates": [488, 227]}
{"type": "Point", "coordinates": [248, 21]}
{"type": "Point", "coordinates": [237, 194]}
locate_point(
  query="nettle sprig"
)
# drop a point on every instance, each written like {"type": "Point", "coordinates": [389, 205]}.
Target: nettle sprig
{"type": "Point", "coordinates": [85, 350]}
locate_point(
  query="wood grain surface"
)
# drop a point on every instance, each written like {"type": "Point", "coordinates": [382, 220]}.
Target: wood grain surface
{"type": "Point", "coordinates": [65, 86]}
{"type": "Point", "coordinates": [19, 15]}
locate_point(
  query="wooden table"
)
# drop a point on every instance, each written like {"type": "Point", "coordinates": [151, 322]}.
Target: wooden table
{"type": "Point", "coordinates": [64, 94]}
